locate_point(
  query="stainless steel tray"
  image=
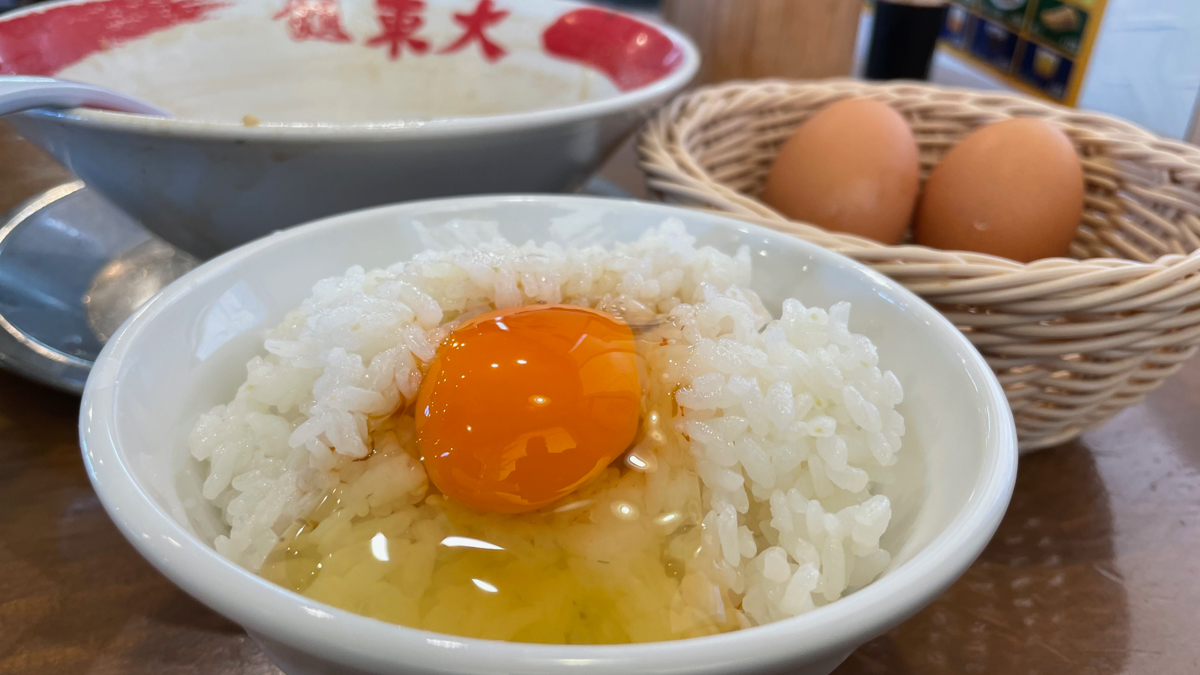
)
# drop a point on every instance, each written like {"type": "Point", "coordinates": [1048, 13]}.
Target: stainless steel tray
{"type": "Point", "coordinates": [72, 268]}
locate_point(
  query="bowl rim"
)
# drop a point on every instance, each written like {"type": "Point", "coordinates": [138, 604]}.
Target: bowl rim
{"type": "Point", "coordinates": [274, 613]}
{"type": "Point", "coordinates": [105, 120]}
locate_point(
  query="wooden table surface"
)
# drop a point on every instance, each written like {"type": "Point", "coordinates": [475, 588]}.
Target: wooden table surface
{"type": "Point", "coordinates": [1095, 569]}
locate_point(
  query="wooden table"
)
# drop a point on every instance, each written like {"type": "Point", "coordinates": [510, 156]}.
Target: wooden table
{"type": "Point", "coordinates": [1095, 569]}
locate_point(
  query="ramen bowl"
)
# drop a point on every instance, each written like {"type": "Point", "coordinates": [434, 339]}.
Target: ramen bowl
{"type": "Point", "coordinates": [290, 110]}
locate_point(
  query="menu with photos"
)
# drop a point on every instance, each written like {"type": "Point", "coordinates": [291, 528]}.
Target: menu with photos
{"type": "Point", "coordinates": [1039, 46]}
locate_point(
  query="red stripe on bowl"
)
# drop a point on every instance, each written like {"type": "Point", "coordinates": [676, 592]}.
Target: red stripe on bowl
{"type": "Point", "coordinates": [46, 41]}
{"type": "Point", "coordinates": [632, 54]}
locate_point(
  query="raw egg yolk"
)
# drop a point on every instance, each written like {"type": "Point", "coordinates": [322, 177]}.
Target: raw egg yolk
{"type": "Point", "coordinates": [521, 406]}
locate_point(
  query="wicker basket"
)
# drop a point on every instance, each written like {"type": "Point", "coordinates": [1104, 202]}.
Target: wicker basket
{"type": "Point", "coordinates": [1073, 341]}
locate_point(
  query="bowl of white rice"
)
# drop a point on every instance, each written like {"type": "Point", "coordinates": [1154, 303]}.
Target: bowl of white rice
{"type": "Point", "coordinates": [808, 453]}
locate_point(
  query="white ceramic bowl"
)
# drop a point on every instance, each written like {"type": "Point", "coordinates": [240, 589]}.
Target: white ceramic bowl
{"type": "Point", "coordinates": [345, 122]}
{"type": "Point", "coordinates": [186, 350]}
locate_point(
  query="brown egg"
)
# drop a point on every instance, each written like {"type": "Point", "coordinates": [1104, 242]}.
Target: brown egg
{"type": "Point", "coordinates": [852, 167]}
{"type": "Point", "coordinates": [1012, 189]}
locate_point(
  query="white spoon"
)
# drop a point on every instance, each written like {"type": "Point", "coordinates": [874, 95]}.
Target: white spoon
{"type": "Point", "coordinates": [26, 92]}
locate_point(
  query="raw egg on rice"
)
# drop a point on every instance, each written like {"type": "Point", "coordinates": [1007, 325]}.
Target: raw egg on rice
{"type": "Point", "coordinates": [524, 405]}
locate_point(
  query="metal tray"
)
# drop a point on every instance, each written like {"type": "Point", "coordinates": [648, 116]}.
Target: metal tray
{"type": "Point", "coordinates": [73, 267]}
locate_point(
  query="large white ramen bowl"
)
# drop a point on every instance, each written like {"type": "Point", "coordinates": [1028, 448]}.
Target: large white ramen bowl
{"type": "Point", "coordinates": [186, 350]}
{"type": "Point", "coordinates": [291, 110]}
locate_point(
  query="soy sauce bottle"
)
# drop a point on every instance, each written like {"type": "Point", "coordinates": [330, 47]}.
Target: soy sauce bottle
{"type": "Point", "coordinates": [903, 38]}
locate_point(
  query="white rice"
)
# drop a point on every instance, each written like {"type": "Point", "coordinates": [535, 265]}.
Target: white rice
{"type": "Point", "coordinates": [791, 422]}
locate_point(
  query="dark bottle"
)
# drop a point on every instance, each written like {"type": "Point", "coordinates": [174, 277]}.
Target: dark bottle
{"type": "Point", "coordinates": [903, 38]}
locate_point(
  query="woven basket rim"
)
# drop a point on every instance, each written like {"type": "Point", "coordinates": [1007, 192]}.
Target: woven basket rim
{"type": "Point", "coordinates": [959, 94]}
{"type": "Point", "coordinates": [1169, 152]}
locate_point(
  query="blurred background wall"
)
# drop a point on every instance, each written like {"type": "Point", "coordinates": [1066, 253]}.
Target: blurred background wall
{"type": "Point", "coordinates": [1145, 65]}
